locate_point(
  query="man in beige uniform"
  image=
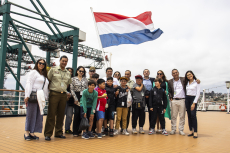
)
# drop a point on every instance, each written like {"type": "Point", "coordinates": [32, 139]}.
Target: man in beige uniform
{"type": "Point", "coordinates": [92, 71]}
{"type": "Point", "coordinates": [59, 78]}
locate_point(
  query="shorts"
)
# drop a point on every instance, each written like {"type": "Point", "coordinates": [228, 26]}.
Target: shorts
{"type": "Point", "coordinates": [109, 113]}
{"type": "Point", "coordinates": [88, 112]}
{"type": "Point", "coordinates": [100, 115]}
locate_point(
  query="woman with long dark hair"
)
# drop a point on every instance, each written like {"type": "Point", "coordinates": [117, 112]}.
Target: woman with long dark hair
{"type": "Point", "coordinates": [36, 81]}
{"type": "Point", "coordinates": [69, 107]}
{"type": "Point", "coordinates": [164, 85]}
{"type": "Point", "coordinates": [117, 75]}
{"type": "Point", "coordinates": [192, 91]}
{"type": "Point", "coordinates": [79, 83]}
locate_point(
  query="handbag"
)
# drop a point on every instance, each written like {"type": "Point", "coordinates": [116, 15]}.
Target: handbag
{"type": "Point", "coordinates": [33, 95]}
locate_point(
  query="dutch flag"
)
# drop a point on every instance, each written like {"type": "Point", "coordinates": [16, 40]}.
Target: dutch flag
{"type": "Point", "coordinates": [115, 29]}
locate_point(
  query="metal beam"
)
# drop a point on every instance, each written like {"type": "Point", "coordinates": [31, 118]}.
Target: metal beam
{"type": "Point", "coordinates": [44, 19]}
{"type": "Point", "coordinates": [3, 49]}
{"type": "Point", "coordinates": [23, 42]}
{"type": "Point", "coordinates": [49, 18]}
{"type": "Point", "coordinates": [14, 76]}
{"type": "Point", "coordinates": [75, 49]}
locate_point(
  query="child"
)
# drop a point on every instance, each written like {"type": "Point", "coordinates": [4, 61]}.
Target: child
{"type": "Point", "coordinates": [122, 111]}
{"type": "Point", "coordinates": [109, 112]}
{"type": "Point", "coordinates": [157, 104]}
{"type": "Point", "coordinates": [95, 77]}
{"type": "Point", "coordinates": [138, 106]}
{"type": "Point", "coordinates": [88, 103]}
{"type": "Point", "coordinates": [101, 102]}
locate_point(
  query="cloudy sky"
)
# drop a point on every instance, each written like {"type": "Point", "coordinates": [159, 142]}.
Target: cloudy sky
{"type": "Point", "coordinates": [196, 36]}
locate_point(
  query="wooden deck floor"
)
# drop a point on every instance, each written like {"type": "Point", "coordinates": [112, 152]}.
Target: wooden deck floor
{"type": "Point", "coordinates": [213, 132]}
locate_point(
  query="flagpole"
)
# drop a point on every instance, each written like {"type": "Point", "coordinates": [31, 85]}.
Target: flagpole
{"type": "Point", "coordinates": [99, 39]}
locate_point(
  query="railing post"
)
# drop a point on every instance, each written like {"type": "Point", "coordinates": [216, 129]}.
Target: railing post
{"type": "Point", "coordinates": [75, 49]}
{"type": "Point", "coordinates": [203, 109]}
{"type": "Point", "coordinates": [19, 101]}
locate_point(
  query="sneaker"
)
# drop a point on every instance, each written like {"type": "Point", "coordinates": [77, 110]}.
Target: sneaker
{"type": "Point", "coordinates": [85, 136]}
{"type": "Point", "coordinates": [115, 132]}
{"type": "Point", "coordinates": [151, 131]}
{"type": "Point", "coordinates": [134, 131]}
{"type": "Point", "coordinates": [90, 134]}
{"type": "Point", "coordinates": [164, 132]}
{"type": "Point", "coordinates": [111, 133]}
{"type": "Point", "coordinates": [141, 130]}
{"type": "Point", "coordinates": [28, 138]}
{"type": "Point", "coordinates": [159, 131]}
{"type": "Point", "coordinates": [106, 131]}
{"type": "Point", "coordinates": [181, 133]}
{"type": "Point", "coordinates": [125, 132]}
{"type": "Point", "coordinates": [103, 134]}
{"type": "Point", "coordinates": [173, 132]}
{"type": "Point", "coordinates": [96, 134]}
{"type": "Point", "coordinates": [99, 135]}
{"type": "Point", "coordinates": [68, 132]}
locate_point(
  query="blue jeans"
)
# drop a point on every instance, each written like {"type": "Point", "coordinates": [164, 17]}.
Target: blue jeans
{"type": "Point", "coordinates": [69, 116]}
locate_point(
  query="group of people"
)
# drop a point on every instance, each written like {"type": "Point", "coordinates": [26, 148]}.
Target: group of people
{"type": "Point", "coordinates": [101, 99]}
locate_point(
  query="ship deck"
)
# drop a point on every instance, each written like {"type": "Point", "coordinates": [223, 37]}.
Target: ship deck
{"type": "Point", "coordinates": [213, 135]}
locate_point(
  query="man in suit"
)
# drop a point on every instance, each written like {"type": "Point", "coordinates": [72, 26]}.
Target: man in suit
{"type": "Point", "coordinates": [177, 97]}
{"type": "Point", "coordinates": [148, 83]}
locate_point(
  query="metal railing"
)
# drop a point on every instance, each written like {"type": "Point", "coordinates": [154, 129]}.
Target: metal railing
{"type": "Point", "coordinates": [12, 103]}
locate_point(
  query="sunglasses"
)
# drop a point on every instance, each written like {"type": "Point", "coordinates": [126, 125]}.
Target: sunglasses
{"type": "Point", "coordinates": [159, 74]}
{"type": "Point", "coordinates": [91, 71]}
{"type": "Point", "coordinates": [82, 71]}
{"type": "Point", "coordinates": [42, 63]}
{"type": "Point", "coordinates": [117, 75]}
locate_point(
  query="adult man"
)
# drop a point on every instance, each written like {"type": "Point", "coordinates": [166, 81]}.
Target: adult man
{"type": "Point", "coordinates": [59, 78]}
{"type": "Point", "coordinates": [92, 71]}
{"type": "Point", "coordinates": [177, 97]}
{"type": "Point", "coordinates": [130, 84]}
{"type": "Point", "coordinates": [109, 72]}
{"type": "Point", "coordinates": [148, 83]}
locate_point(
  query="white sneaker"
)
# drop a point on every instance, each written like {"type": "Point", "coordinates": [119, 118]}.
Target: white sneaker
{"type": "Point", "coordinates": [172, 132]}
{"type": "Point", "coordinates": [134, 131]}
{"type": "Point", "coordinates": [125, 132]}
{"type": "Point", "coordinates": [164, 132]}
{"type": "Point", "coordinates": [115, 132]}
{"type": "Point", "coordinates": [151, 131]}
{"type": "Point", "coordinates": [181, 133]}
{"type": "Point", "coordinates": [141, 130]}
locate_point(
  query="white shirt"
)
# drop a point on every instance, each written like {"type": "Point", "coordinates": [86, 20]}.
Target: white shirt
{"type": "Point", "coordinates": [193, 89]}
{"type": "Point", "coordinates": [35, 82]}
{"type": "Point", "coordinates": [178, 89]}
{"type": "Point", "coordinates": [115, 81]}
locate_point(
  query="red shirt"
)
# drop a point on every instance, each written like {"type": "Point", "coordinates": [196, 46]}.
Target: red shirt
{"type": "Point", "coordinates": [101, 102]}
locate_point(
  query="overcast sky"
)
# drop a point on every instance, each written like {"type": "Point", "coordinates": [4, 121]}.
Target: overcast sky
{"type": "Point", "coordinates": [196, 36]}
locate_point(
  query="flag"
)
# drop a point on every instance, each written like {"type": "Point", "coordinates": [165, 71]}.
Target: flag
{"type": "Point", "coordinates": [115, 29]}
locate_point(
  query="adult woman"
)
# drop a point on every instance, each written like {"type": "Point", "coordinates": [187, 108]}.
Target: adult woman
{"type": "Point", "coordinates": [36, 81]}
{"type": "Point", "coordinates": [117, 75]}
{"type": "Point", "coordinates": [192, 91]}
{"type": "Point", "coordinates": [69, 108]}
{"type": "Point", "coordinates": [79, 83]}
{"type": "Point", "coordinates": [164, 85]}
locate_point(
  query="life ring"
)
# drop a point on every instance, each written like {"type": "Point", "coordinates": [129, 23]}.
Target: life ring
{"type": "Point", "coordinates": [223, 107]}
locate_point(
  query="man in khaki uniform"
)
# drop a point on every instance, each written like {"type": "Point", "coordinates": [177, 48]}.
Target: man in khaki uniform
{"type": "Point", "coordinates": [92, 71]}
{"type": "Point", "coordinates": [59, 78]}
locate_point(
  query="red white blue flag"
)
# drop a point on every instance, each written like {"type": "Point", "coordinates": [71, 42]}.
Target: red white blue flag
{"type": "Point", "coordinates": [115, 29]}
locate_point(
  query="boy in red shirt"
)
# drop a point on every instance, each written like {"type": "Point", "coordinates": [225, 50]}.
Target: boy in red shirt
{"type": "Point", "coordinates": [100, 108]}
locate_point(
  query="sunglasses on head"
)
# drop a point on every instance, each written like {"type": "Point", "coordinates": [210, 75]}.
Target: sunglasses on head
{"type": "Point", "coordinates": [81, 71]}
{"type": "Point", "coordinates": [159, 74]}
{"type": "Point", "coordinates": [41, 63]}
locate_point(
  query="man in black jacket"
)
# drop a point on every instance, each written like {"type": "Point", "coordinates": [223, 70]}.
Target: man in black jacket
{"type": "Point", "coordinates": [158, 105]}
{"type": "Point", "coordinates": [148, 83]}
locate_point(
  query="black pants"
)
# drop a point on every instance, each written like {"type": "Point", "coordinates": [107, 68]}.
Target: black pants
{"type": "Point", "coordinates": [138, 113]}
{"type": "Point", "coordinates": [192, 120]}
{"type": "Point", "coordinates": [94, 123]}
{"type": "Point", "coordinates": [147, 103]}
{"type": "Point", "coordinates": [157, 111]}
{"type": "Point", "coordinates": [77, 116]}
{"type": "Point", "coordinates": [128, 118]}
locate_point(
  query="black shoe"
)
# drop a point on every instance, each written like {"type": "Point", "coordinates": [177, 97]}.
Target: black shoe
{"type": "Point", "coordinates": [111, 133]}
{"type": "Point", "coordinates": [34, 137]}
{"type": "Point", "coordinates": [60, 136]}
{"type": "Point", "coordinates": [189, 135]}
{"type": "Point", "coordinates": [195, 137]}
{"type": "Point", "coordinates": [28, 138]}
{"type": "Point", "coordinates": [106, 131]}
{"type": "Point", "coordinates": [47, 138]}
{"type": "Point", "coordinates": [68, 132]}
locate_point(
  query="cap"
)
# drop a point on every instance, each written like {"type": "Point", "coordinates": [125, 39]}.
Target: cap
{"type": "Point", "coordinates": [138, 77]}
{"type": "Point", "coordinates": [92, 69]}
{"type": "Point", "coordinates": [121, 78]}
